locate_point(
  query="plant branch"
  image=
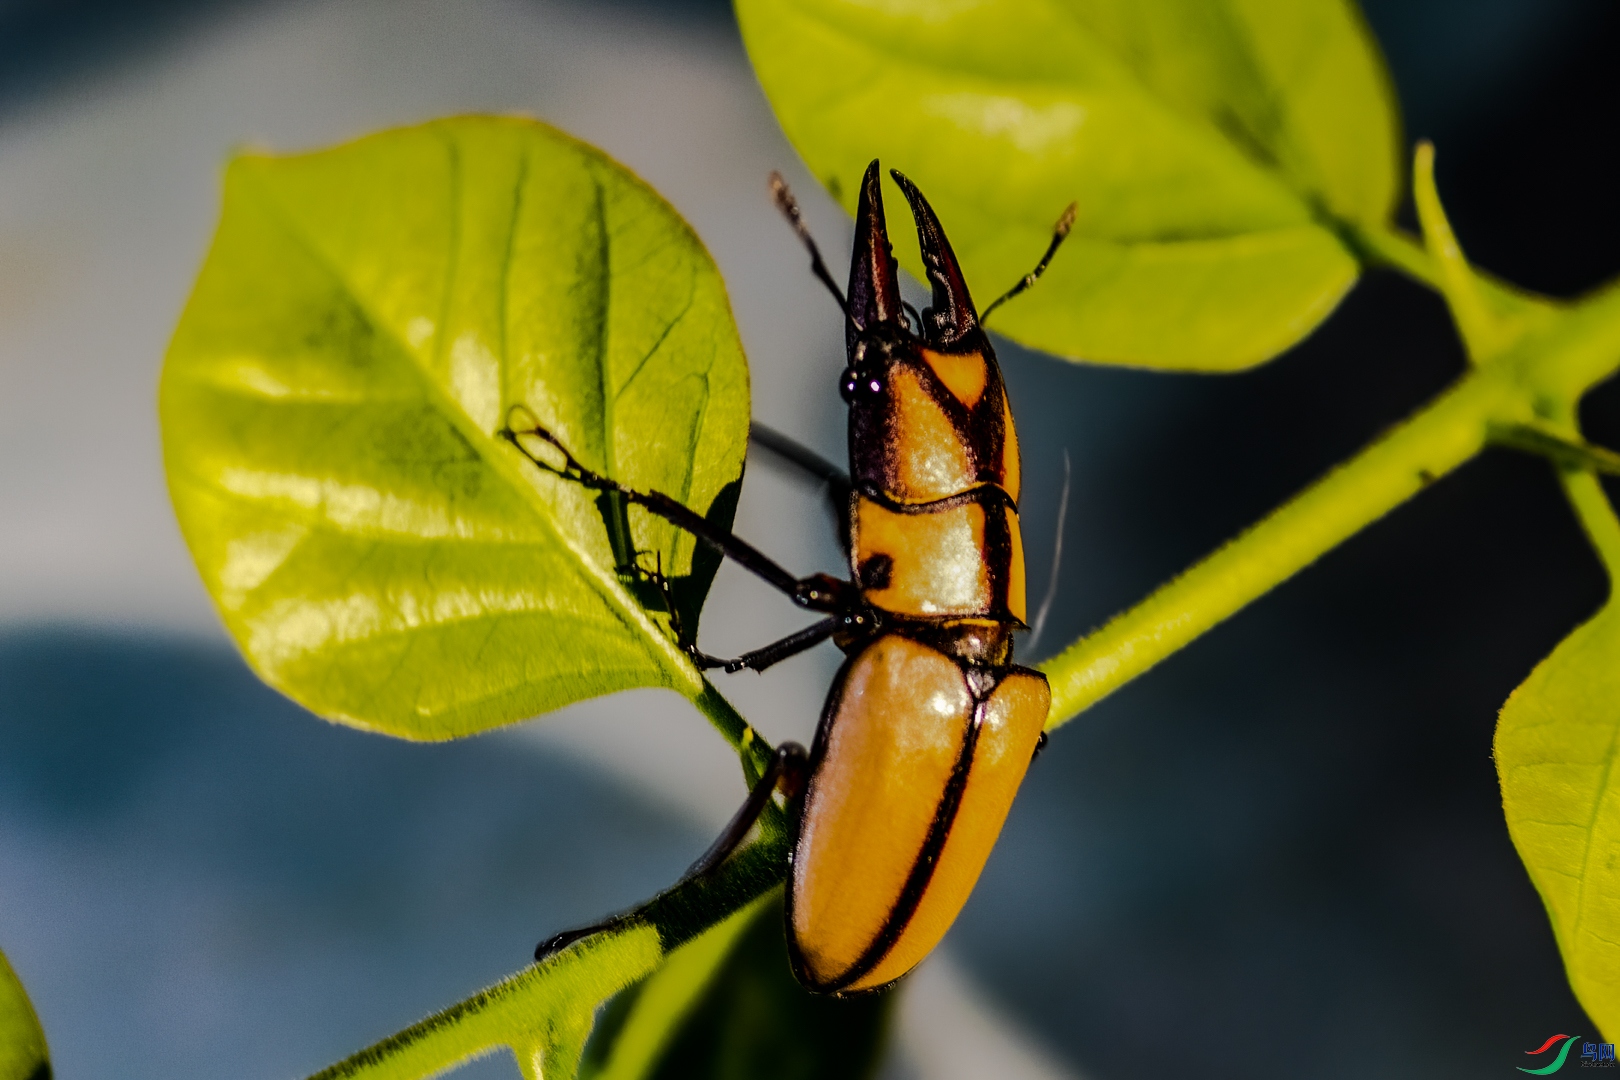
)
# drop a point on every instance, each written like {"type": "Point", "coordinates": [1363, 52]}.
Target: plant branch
{"type": "Point", "coordinates": [752, 749]}
{"type": "Point", "coordinates": [544, 1012]}
{"type": "Point", "coordinates": [1484, 298]}
{"type": "Point", "coordinates": [1579, 465]}
{"type": "Point", "coordinates": [1475, 322]}
{"type": "Point", "coordinates": [1596, 514]}
{"type": "Point", "coordinates": [533, 1000]}
{"type": "Point", "coordinates": [1387, 246]}
{"type": "Point", "coordinates": [1555, 353]}
{"type": "Point", "coordinates": [1570, 451]}
{"type": "Point", "coordinates": [1439, 438]}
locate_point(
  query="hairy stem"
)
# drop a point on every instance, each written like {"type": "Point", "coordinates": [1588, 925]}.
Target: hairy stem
{"type": "Point", "coordinates": [1560, 353]}
{"type": "Point", "coordinates": [752, 749]}
{"type": "Point", "coordinates": [1439, 438]}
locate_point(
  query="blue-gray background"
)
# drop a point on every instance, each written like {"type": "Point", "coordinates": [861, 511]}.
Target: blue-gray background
{"type": "Point", "coordinates": [1281, 854]}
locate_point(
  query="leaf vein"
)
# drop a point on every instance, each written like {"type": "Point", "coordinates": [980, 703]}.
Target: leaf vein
{"type": "Point", "coordinates": [645, 631]}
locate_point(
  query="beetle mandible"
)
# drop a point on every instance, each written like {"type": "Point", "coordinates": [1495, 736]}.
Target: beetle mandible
{"type": "Point", "coordinates": [929, 725]}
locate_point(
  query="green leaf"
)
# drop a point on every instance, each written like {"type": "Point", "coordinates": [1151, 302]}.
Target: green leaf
{"type": "Point", "coordinates": [754, 1019]}
{"type": "Point", "coordinates": [1212, 147]}
{"type": "Point", "coordinates": [331, 401]}
{"type": "Point", "coordinates": [1558, 757]}
{"type": "Point", "coordinates": [23, 1055]}
{"type": "Point", "coordinates": [544, 1014]}
{"type": "Point", "coordinates": [640, 1023]}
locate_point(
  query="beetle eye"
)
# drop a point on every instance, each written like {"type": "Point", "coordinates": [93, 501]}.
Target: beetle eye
{"type": "Point", "coordinates": [854, 384]}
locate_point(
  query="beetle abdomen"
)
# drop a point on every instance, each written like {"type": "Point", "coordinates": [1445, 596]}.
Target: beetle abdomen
{"type": "Point", "coordinates": [913, 775]}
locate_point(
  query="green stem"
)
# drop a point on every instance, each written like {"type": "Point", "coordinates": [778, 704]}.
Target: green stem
{"type": "Point", "coordinates": [1596, 515]}
{"type": "Point", "coordinates": [754, 752]}
{"type": "Point", "coordinates": [1585, 493]}
{"type": "Point", "coordinates": [752, 748]}
{"type": "Point", "coordinates": [1439, 438]}
{"type": "Point", "coordinates": [1385, 245]}
{"type": "Point", "coordinates": [1561, 352]}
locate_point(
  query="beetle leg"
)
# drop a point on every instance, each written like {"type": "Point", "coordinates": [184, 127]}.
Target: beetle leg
{"type": "Point", "coordinates": [763, 657]}
{"type": "Point", "coordinates": [806, 459]}
{"type": "Point", "coordinates": [757, 659]}
{"type": "Point", "coordinates": [838, 486]}
{"type": "Point", "coordinates": [818, 592]}
{"type": "Point", "coordinates": [788, 771]}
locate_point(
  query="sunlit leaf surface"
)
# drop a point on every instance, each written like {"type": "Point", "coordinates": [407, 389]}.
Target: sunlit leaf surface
{"type": "Point", "coordinates": [331, 401]}
{"type": "Point", "coordinates": [1209, 146]}
{"type": "Point", "coordinates": [23, 1055]}
{"type": "Point", "coordinates": [1558, 756]}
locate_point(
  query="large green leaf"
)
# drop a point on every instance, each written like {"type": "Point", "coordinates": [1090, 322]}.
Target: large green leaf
{"type": "Point", "coordinates": [23, 1055]}
{"type": "Point", "coordinates": [331, 401]}
{"type": "Point", "coordinates": [1210, 146]}
{"type": "Point", "coordinates": [1558, 756]}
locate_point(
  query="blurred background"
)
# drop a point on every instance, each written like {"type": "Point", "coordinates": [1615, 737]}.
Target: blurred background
{"type": "Point", "coordinates": [1279, 854]}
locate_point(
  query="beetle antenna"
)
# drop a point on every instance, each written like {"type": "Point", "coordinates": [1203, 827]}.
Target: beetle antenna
{"type": "Point", "coordinates": [1060, 232]}
{"type": "Point", "coordinates": [789, 206]}
{"type": "Point", "coordinates": [1057, 562]}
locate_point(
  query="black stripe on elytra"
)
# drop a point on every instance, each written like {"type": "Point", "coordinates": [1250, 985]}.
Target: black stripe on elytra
{"type": "Point", "coordinates": [986, 494]}
{"type": "Point", "coordinates": [922, 871]}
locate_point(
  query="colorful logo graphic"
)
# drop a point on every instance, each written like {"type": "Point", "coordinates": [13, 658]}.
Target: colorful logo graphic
{"type": "Point", "coordinates": [1556, 1063]}
{"type": "Point", "coordinates": [1593, 1055]}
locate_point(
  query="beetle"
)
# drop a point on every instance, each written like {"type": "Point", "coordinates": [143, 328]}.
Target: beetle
{"type": "Point", "coordinates": [929, 725]}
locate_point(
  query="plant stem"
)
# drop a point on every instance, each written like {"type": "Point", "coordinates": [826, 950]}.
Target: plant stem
{"type": "Point", "coordinates": [1596, 515]}
{"type": "Point", "coordinates": [1440, 437]}
{"type": "Point", "coordinates": [1561, 352]}
{"type": "Point", "coordinates": [751, 747]}
{"type": "Point", "coordinates": [1385, 245]}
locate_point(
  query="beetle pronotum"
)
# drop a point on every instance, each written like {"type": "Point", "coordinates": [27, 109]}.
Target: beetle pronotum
{"type": "Point", "coordinates": [929, 726]}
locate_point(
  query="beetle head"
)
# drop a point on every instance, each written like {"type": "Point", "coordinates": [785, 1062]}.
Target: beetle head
{"type": "Point", "coordinates": [874, 285]}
